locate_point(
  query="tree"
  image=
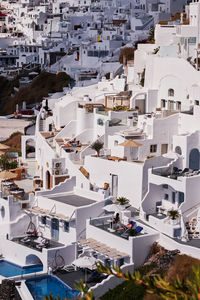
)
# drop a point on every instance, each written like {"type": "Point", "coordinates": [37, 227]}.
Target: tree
{"type": "Point", "coordinates": [154, 284]}
{"type": "Point", "coordinates": [50, 297]}
{"type": "Point", "coordinates": [173, 214]}
{"type": "Point", "coordinates": [188, 289]}
{"type": "Point", "coordinates": [122, 201]}
{"type": "Point", "coordinates": [97, 146]}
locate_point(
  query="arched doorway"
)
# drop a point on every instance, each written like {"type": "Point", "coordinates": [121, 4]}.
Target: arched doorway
{"type": "Point", "coordinates": [48, 180]}
{"type": "Point", "coordinates": [178, 150]}
{"type": "Point", "coordinates": [33, 259]}
{"type": "Point", "coordinates": [194, 159]}
{"type": "Point", "coordinates": [30, 148]}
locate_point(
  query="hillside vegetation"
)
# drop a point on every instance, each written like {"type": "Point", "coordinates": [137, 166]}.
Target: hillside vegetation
{"type": "Point", "coordinates": [40, 87]}
{"type": "Point", "coordinates": [160, 262]}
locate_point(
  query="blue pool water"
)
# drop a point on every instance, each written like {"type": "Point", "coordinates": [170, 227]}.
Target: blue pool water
{"type": "Point", "coordinates": [8, 269]}
{"type": "Point", "coordinates": [41, 286]}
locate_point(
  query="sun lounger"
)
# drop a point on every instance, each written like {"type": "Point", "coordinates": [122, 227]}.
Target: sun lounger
{"type": "Point", "coordinates": [138, 229]}
{"type": "Point", "coordinates": [26, 239]}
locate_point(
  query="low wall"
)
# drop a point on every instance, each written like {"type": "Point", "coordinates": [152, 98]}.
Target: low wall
{"type": "Point", "coordinates": [63, 187]}
{"type": "Point", "coordinates": [110, 282]}
{"type": "Point", "coordinates": [171, 244]}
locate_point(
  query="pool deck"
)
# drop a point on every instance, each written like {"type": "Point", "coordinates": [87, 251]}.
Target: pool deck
{"type": "Point", "coordinates": [71, 278]}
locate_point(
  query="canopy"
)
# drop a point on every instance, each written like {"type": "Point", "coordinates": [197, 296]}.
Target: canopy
{"type": "Point", "coordinates": [7, 175]}
{"type": "Point", "coordinates": [85, 262]}
{"type": "Point", "coordinates": [4, 147]}
{"type": "Point", "coordinates": [114, 207]}
{"type": "Point", "coordinates": [130, 143]}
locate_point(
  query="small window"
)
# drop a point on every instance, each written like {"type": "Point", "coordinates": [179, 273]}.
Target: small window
{"type": "Point", "coordinates": [100, 122]}
{"type": "Point", "coordinates": [178, 105]}
{"type": "Point", "coordinates": [153, 148]}
{"type": "Point", "coordinates": [43, 220]}
{"type": "Point", "coordinates": [173, 197]}
{"type": "Point", "coordinates": [165, 186]}
{"type": "Point", "coordinates": [196, 102]}
{"type": "Point", "coordinates": [180, 197]}
{"type": "Point", "coordinates": [171, 93]}
{"type": "Point", "coordinates": [166, 196]}
{"type": "Point", "coordinates": [116, 143]}
{"type": "Point", "coordinates": [163, 103]}
{"type": "Point", "coordinates": [66, 226]}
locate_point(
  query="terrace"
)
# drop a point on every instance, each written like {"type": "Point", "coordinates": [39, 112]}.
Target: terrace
{"type": "Point", "coordinates": [121, 230]}
{"type": "Point", "coordinates": [36, 243]}
{"type": "Point", "coordinates": [71, 278]}
{"type": "Point", "coordinates": [73, 200]}
{"type": "Point", "coordinates": [175, 173]}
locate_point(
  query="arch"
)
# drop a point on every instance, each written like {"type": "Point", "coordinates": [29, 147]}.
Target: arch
{"type": "Point", "coordinates": [171, 92]}
{"type": "Point", "coordinates": [33, 259]}
{"type": "Point", "coordinates": [30, 148]}
{"type": "Point", "coordinates": [27, 140]}
{"type": "Point", "coordinates": [48, 180]}
{"type": "Point", "coordinates": [178, 150]}
{"type": "Point", "coordinates": [194, 159]}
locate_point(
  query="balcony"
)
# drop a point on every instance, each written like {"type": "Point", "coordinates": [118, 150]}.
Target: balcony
{"type": "Point", "coordinates": [120, 229]}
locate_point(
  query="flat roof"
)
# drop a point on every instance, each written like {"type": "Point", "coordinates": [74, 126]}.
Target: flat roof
{"type": "Point", "coordinates": [73, 200]}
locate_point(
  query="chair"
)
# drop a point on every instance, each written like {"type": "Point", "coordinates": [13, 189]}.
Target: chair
{"type": "Point", "coordinates": [138, 229]}
{"type": "Point", "coordinates": [131, 225]}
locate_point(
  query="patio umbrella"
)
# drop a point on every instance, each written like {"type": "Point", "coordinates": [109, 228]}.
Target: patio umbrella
{"type": "Point", "coordinates": [85, 262]}
{"type": "Point", "coordinates": [7, 175]}
{"type": "Point", "coordinates": [114, 208]}
{"type": "Point", "coordinates": [4, 147]}
{"type": "Point", "coordinates": [130, 143]}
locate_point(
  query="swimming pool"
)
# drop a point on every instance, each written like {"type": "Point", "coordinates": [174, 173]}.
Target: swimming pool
{"type": "Point", "coordinates": [8, 269]}
{"type": "Point", "coordinates": [41, 286]}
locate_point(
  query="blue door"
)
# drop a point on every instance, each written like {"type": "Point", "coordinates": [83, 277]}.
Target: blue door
{"type": "Point", "coordinates": [55, 229]}
{"type": "Point", "coordinates": [194, 159]}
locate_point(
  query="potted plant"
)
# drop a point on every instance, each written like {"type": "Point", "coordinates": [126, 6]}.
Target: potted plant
{"type": "Point", "coordinates": [97, 146]}
{"type": "Point", "coordinates": [174, 215]}
{"type": "Point", "coordinates": [122, 201]}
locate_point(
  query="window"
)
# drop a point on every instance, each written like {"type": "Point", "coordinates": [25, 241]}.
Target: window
{"type": "Point", "coordinates": [153, 148]}
{"type": "Point", "coordinates": [171, 93]}
{"type": "Point", "coordinates": [192, 40]}
{"type": "Point", "coordinates": [166, 196]}
{"type": "Point", "coordinates": [43, 220]}
{"type": "Point", "coordinates": [196, 102]}
{"type": "Point", "coordinates": [100, 122]}
{"type": "Point", "coordinates": [163, 103]}
{"type": "Point", "coordinates": [178, 105]}
{"type": "Point", "coordinates": [116, 143]}
{"type": "Point", "coordinates": [173, 197]}
{"type": "Point", "coordinates": [66, 226]}
{"type": "Point", "coordinates": [180, 197]}
{"type": "Point", "coordinates": [165, 186]}
{"type": "Point", "coordinates": [171, 105]}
